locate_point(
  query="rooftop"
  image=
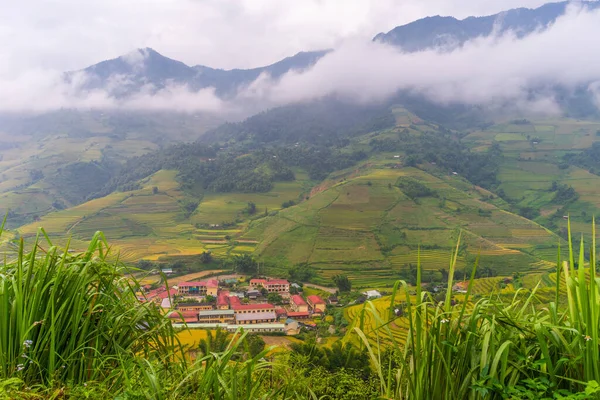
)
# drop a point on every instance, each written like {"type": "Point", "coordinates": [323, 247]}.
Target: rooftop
{"type": "Point", "coordinates": [255, 316]}
{"type": "Point", "coordinates": [209, 313]}
{"type": "Point", "coordinates": [293, 314]}
{"type": "Point", "coordinates": [298, 300]}
{"type": "Point", "coordinates": [372, 293]}
{"type": "Point", "coordinates": [269, 281]}
{"type": "Point", "coordinates": [315, 299]}
{"type": "Point", "coordinates": [208, 283]}
{"type": "Point", "coordinates": [222, 299]}
{"type": "Point", "coordinates": [256, 326]}
{"type": "Point", "coordinates": [263, 306]}
{"type": "Point", "coordinates": [184, 314]}
{"type": "Point", "coordinates": [277, 282]}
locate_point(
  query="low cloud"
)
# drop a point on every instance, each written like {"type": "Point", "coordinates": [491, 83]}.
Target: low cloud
{"type": "Point", "coordinates": [492, 72]}
{"type": "Point", "coordinates": [486, 71]}
{"type": "Point", "coordinates": [43, 91]}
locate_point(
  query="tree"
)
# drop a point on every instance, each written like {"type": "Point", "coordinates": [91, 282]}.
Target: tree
{"type": "Point", "coordinates": [146, 265]}
{"type": "Point", "coordinates": [154, 190]}
{"type": "Point", "coordinates": [253, 345]}
{"type": "Point", "coordinates": [343, 283]}
{"type": "Point", "coordinates": [206, 257]}
{"type": "Point", "coordinates": [245, 264]}
{"type": "Point", "coordinates": [301, 273]}
{"type": "Point", "coordinates": [210, 299]}
{"type": "Point", "coordinates": [251, 208]}
{"type": "Point", "coordinates": [274, 298]}
{"type": "Point", "coordinates": [348, 357]}
{"type": "Point", "coordinates": [444, 273]}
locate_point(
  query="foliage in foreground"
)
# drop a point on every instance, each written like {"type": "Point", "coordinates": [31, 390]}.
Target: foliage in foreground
{"type": "Point", "coordinates": [493, 348]}
{"type": "Point", "coordinates": [71, 325]}
{"type": "Point", "coordinates": [78, 311]}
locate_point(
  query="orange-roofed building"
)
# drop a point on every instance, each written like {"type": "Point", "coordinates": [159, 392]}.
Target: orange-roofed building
{"type": "Point", "coordinates": [202, 288]}
{"type": "Point", "coordinates": [316, 304]}
{"type": "Point", "coordinates": [298, 314]}
{"type": "Point", "coordinates": [279, 286]}
{"type": "Point", "coordinates": [298, 304]}
{"type": "Point", "coordinates": [223, 301]}
{"type": "Point", "coordinates": [158, 295]}
{"type": "Point", "coordinates": [184, 316]}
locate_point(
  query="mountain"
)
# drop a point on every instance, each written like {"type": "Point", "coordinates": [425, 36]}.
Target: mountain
{"type": "Point", "coordinates": [131, 72]}
{"type": "Point", "coordinates": [449, 33]}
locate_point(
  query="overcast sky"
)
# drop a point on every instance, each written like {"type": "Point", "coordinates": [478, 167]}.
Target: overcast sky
{"type": "Point", "coordinates": [72, 34]}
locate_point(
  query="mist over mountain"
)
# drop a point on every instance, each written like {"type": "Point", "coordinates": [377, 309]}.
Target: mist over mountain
{"type": "Point", "coordinates": [144, 68]}
{"type": "Point", "coordinates": [519, 61]}
{"type": "Point", "coordinates": [448, 33]}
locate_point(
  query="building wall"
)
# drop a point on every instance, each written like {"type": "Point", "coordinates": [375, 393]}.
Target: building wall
{"type": "Point", "coordinates": [214, 319]}
{"type": "Point", "coordinates": [256, 321]}
{"type": "Point", "coordinates": [198, 290]}
{"type": "Point", "coordinates": [299, 308]}
{"type": "Point", "coordinates": [195, 308]}
{"type": "Point", "coordinates": [317, 307]}
{"type": "Point", "coordinates": [254, 311]}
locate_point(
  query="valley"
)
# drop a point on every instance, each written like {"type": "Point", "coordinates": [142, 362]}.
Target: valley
{"type": "Point", "coordinates": [367, 221]}
{"type": "Point", "coordinates": [299, 200]}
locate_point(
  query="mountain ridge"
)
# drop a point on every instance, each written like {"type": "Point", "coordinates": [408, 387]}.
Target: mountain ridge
{"type": "Point", "coordinates": [449, 33]}
{"type": "Point", "coordinates": [145, 66]}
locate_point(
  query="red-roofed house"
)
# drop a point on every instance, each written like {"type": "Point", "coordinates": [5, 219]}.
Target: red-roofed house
{"type": "Point", "coordinates": [316, 303]}
{"type": "Point", "coordinates": [298, 304]}
{"type": "Point", "coordinates": [280, 286]}
{"type": "Point", "coordinates": [223, 301]}
{"type": "Point", "coordinates": [184, 316]}
{"type": "Point", "coordinates": [298, 314]}
{"type": "Point", "coordinates": [234, 301]}
{"type": "Point", "coordinates": [202, 288]}
{"type": "Point", "coordinates": [281, 313]}
{"type": "Point", "coordinates": [158, 295]}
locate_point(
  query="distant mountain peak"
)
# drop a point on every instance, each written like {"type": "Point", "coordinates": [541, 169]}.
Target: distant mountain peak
{"type": "Point", "coordinates": [438, 31]}
{"type": "Point", "coordinates": [145, 67]}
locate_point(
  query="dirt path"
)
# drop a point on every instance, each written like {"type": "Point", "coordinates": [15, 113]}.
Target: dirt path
{"type": "Point", "coordinates": [188, 277]}
{"type": "Point", "coordinates": [323, 288]}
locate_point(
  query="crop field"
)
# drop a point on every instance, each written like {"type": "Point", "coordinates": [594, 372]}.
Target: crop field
{"type": "Point", "coordinates": [336, 232]}
{"type": "Point", "coordinates": [530, 166]}
{"type": "Point", "coordinates": [370, 321]}
{"type": "Point", "coordinates": [217, 208]}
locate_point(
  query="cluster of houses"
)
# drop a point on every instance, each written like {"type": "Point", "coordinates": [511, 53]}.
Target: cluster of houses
{"type": "Point", "coordinates": [231, 309]}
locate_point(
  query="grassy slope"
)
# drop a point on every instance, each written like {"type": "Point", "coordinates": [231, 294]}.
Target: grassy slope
{"type": "Point", "coordinates": [52, 144]}
{"type": "Point", "coordinates": [142, 224]}
{"type": "Point", "coordinates": [361, 226]}
{"type": "Point", "coordinates": [532, 154]}
{"type": "Point", "coordinates": [357, 222]}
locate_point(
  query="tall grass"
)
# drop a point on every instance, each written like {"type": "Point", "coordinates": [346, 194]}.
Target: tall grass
{"type": "Point", "coordinates": [72, 322]}
{"type": "Point", "coordinates": [496, 348]}
{"type": "Point", "coordinates": [73, 317]}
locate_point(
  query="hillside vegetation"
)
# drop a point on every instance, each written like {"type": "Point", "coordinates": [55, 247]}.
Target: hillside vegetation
{"type": "Point", "coordinates": [360, 206]}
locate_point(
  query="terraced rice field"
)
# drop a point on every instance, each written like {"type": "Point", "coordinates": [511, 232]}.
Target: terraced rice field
{"type": "Point", "coordinates": [362, 316]}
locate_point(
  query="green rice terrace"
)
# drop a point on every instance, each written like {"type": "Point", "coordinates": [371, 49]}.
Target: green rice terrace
{"type": "Point", "coordinates": [368, 220]}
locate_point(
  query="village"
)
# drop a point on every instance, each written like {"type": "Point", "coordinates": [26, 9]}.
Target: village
{"type": "Point", "coordinates": [212, 304]}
